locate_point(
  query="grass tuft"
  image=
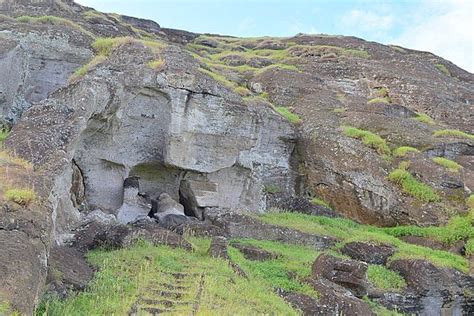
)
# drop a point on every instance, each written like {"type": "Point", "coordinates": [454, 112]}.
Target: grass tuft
{"type": "Point", "coordinates": [317, 201]}
{"type": "Point", "coordinates": [368, 138]}
{"type": "Point", "coordinates": [385, 279]}
{"type": "Point", "coordinates": [453, 133]}
{"type": "Point", "coordinates": [412, 186]}
{"type": "Point", "coordinates": [443, 69]}
{"type": "Point", "coordinates": [290, 116]}
{"type": "Point", "coordinates": [404, 150]}
{"type": "Point", "coordinates": [22, 197]}
{"type": "Point", "coordinates": [378, 100]}
{"type": "Point", "coordinates": [448, 164]}
{"type": "Point", "coordinates": [157, 64]}
{"type": "Point", "coordinates": [470, 202]}
{"type": "Point", "coordinates": [424, 118]}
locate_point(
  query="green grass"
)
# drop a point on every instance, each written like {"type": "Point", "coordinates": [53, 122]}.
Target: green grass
{"type": "Point", "coordinates": [3, 135]}
{"type": "Point", "coordinates": [339, 110]}
{"type": "Point", "coordinates": [443, 69]}
{"type": "Point", "coordinates": [448, 164]}
{"type": "Point", "coordinates": [453, 133]}
{"type": "Point", "coordinates": [368, 138]}
{"type": "Point", "coordinates": [378, 100]}
{"type": "Point", "coordinates": [20, 196]}
{"type": "Point", "coordinates": [470, 202]}
{"type": "Point", "coordinates": [404, 150]}
{"type": "Point", "coordinates": [317, 201]}
{"type": "Point", "coordinates": [157, 64]}
{"type": "Point", "coordinates": [293, 260]}
{"type": "Point", "coordinates": [53, 20]}
{"type": "Point", "coordinates": [385, 279]}
{"type": "Point", "coordinates": [349, 231]}
{"type": "Point", "coordinates": [412, 186]}
{"type": "Point", "coordinates": [424, 118]}
{"type": "Point", "coordinates": [290, 116]}
{"type": "Point", "coordinates": [469, 247]}
{"type": "Point", "coordinates": [126, 274]}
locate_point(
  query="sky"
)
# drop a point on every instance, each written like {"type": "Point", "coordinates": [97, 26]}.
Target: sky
{"type": "Point", "coordinates": [443, 27]}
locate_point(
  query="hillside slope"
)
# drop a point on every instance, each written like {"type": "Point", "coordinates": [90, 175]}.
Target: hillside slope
{"type": "Point", "coordinates": [112, 115]}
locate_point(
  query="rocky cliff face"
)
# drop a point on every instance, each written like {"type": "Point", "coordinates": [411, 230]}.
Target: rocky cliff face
{"type": "Point", "coordinates": [221, 122]}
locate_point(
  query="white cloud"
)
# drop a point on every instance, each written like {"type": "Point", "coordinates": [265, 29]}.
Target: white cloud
{"type": "Point", "coordinates": [447, 32]}
{"type": "Point", "coordinates": [367, 21]}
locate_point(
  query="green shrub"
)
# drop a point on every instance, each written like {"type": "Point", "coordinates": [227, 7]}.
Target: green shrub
{"type": "Point", "coordinates": [385, 279]}
{"type": "Point", "coordinates": [412, 186]}
{"type": "Point", "coordinates": [20, 196]}
{"type": "Point", "coordinates": [470, 202]}
{"type": "Point", "coordinates": [378, 100]}
{"type": "Point", "coordinates": [469, 246]}
{"type": "Point", "coordinates": [404, 150]}
{"type": "Point", "coordinates": [443, 69]}
{"type": "Point", "coordinates": [3, 135]}
{"type": "Point", "coordinates": [290, 116]}
{"type": "Point", "coordinates": [448, 164]}
{"type": "Point", "coordinates": [368, 138]}
{"type": "Point", "coordinates": [453, 133]}
{"type": "Point", "coordinates": [339, 110]}
{"type": "Point", "coordinates": [157, 64]}
{"type": "Point", "coordinates": [424, 118]}
{"type": "Point", "coordinates": [317, 201]}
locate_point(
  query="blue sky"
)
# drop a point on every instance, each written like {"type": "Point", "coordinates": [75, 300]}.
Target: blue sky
{"type": "Point", "coordinates": [444, 27]}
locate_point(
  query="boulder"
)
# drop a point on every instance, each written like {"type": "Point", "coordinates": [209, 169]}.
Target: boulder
{"type": "Point", "coordinates": [338, 300]}
{"type": "Point", "coordinates": [196, 195]}
{"type": "Point", "coordinates": [171, 221]}
{"type": "Point", "coordinates": [243, 226]}
{"type": "Point", "coordinates": [350, 274]}
{"type": "Point", "coordinates": [167, 206]}
{"type": "Point", "coordinates": [100, 217]}
{"type": "Point", "coordinates": [135, 206]}
{"type": "Point", "coordinates": [297, 204]}
{"type": "Point", "coordinates": [308, 305]}
{"type": "Point", "coordinates": [436, 290]}
{"type": "Point", "coordinates": [67, 271]}
{"type": "Point", "coordinates": [218, 248]}
{"type": "Point", "coordinates": [255, 253]}
{"type": "Point", "coordinates": [368, 252]}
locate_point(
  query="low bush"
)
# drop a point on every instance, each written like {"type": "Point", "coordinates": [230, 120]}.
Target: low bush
{"type": "Point", "coordinates": [404, 150]}
{"type": "Point", "coordinates": [290, 116]}
{"type": "Point", "coordinates": [424, 118]}
{"type": "Point", "coordinates": [443, 69]}
{"type": "Point", "coordinates": [22, 197]}
{"type": "Point", "coordinates": [412, 186]}
{"type": "Point", "coordinates": [448, 164]}
{"type": "Point", "coordinates": [368, 138]}
{"type": "Point", "coordinates": [453, 133]}
{"type": "Point", "coordinates": [317, 201]}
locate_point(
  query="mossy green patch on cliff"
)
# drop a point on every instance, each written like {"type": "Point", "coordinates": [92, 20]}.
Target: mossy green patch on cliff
{"type": "Point", "coordinates": [368, 138]}
{"type": "Point", "coordinates": [290, 116]}
{"type": "Point", "coordinates": [404, 150]}
{"type": "Point", "coordinates": [448, 164]}
{"type": "Point", "coordinates": [412, 186]}
{"type": "Point", "coordinates": [453, 133]}
{"type": "Point", "coordinates": [3, 135]}
{"type": "Point", "coordinates": [443, 69]}
{"type": "Point", "coordinates": [53, 20]}
{"type": "Point", "coordinates": [142, 271]}
{"type": "Point", "coordinates": [321, 202]}
{"type": "Point", "coordinates": [424, 118]}
{"type": "Point", "coordinates": [385, 279]}
{"type": "Point", "coordinates": [349, 231]}
{"type": "Point", "coordinates": [22, 197]}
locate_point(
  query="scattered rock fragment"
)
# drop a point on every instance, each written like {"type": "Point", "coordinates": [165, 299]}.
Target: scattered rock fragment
{"type": "Point", "coordinates": [368, 252]}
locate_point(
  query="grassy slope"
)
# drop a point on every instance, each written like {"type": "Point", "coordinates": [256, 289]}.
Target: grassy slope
{"type": "Point", "coordinates": [130, 273]}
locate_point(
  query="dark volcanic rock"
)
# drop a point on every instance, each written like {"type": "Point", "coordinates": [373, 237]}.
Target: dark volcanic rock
{"type": "Point", "coordinates": [370, 253]}
{"type": "Point", "coordinates": [350, 274]}
{"type": "Point", "coordinates": [251, 252]}
{"type": "Point", "coordinates": [437, 290]}
{"type": "Point", "coordinates": [306, 304]}
{"type": "Point", "coordinates": [218, 248]}
{"type": "Point", "coordinates": [297, 204]}
{"type": "Point", "coordinates": [67, 270]}
{"type": "Point", "coordinates": [338, 299]}
{"type": "Point", "coordinates": [242, 226]}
